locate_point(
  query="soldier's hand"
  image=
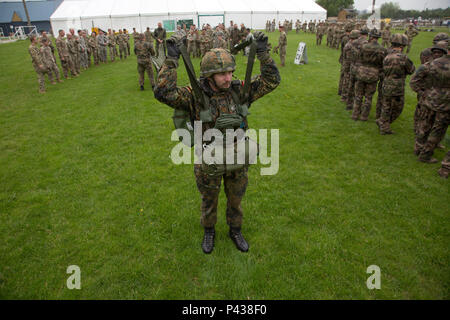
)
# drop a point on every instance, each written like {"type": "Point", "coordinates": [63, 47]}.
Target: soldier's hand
{"type": "Point", "coordinates": [261, 41]}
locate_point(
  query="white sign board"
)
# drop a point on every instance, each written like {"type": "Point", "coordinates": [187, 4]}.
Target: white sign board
{"type": "Point", "coordinates": [301, 57]}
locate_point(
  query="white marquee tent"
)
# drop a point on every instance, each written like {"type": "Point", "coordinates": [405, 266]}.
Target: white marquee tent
{"type": "Point", "coordinates": [140, 14]}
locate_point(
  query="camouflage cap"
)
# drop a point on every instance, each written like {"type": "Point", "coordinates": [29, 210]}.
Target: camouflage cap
{"type": "Point", "coordinates": [354, 34]}
{"type": "Point", "coordinates": [216, 61]}
{"type": "Point", "coordinates": [399, 39]}
{"type": "Point", "coordinates": [440, 37]}
{"type": "Point", "coordinates": [441, 45]}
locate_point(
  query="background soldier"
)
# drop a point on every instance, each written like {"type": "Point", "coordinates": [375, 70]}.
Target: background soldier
{"type": "Point", "coordinates": [220, 42]}
{"type": "Point", "coordinates": [216, 71]}
{"type": "Point", "coordinates": [82, 49]}
{"type": "Point", "coordinates": [49, 61]}
{"type": "Point", "coordinates": [38, 63]}
{"type": "Point", "coordinates": [411, 32]}
{"type": "Point", "coordinates": [64, 55]}
{"type": "Point", "coordinates": [354, 64]}
{"type": "Point", "coordinates": [319, 34]}
{"type": "Point", "coordinates": [346, 63]}
{"type": "Point", "coordinates": [282, 44]}
{"type": "Point", "coordinates": [102, 42]}
{"type": "Point", "coordinates": [345, 38]}
{"type": "Point", "coordinates": [396, 66]}
{"type": "Point", "coordinates": [135, 35]}
{"type": "Point", "coordinates": [160, 36]}
{"type": "Point", "coordinates": [50, 44]}
{"type": "Point", "coordinates": [385, 36]}
{"type": "Point", "coordinates": [127, 40]}
{"type": "Point", "coordinates": [111, 45]}
{"type": "Point", "coordinates": [144, 52]}
{"type": "Point", "coordinates": [122, 41]}
{"type": "Point", "coordinates": [148, 36]}
{"type": "Point", "coordinates": [74, 43]}
{"type": "Point", "coordinates": [93, 48]}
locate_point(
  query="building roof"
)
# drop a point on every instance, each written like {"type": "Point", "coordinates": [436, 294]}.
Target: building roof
{"type": "Point", "coordinates": [38, 10]}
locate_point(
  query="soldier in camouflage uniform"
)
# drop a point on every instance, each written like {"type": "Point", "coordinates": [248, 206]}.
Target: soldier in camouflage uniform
{"type": "Point", "coordinates": [112, 45]}
{"type": "Point", "coordinates": [319, 34]}
{"type": "Point", "coordinates": [282, 45]}
{"type": "Point", "coordinates": [445, 168]}
{"type": "Point", "coordinates": [347, 59]}
{"type": "Point", "coordinates": [102, 42]}
{"type": "Point", "coordinates": [127, 40]}
{"type": "Point", "coordinates": [216, 83]}
{"type": "Point", "coordinates": [122, 42]}
{"type": "Point", "coordinates": [135, 35]}
{"type": "Point", "coordinates": [431, 82]}
{"type": "Point", "coordinates": [396, 66]}
{"type": "Point", "coordinates": [49, 61]}
{"type": "Point", "coordinates": [220, 42]}
{"type": "Point", "coordinates": [93, 48]}
{"type": "Point", "coordinates": [50, 44]}
{"type": "Point", "coordinates": [83, 49]}
{"type": "Point", "coordinates": [355, 49]}
{"type": "Point", "coordinates": [191, 45]}
{"type": "Point", "coordinates": [64, 55]}
{"type": "Point", "coordinates": [385, 36]}
{"type": "Point", "coordinates": [38, 63]}
{"type": "Point", "coordinates": [148, 35]}
{"type": "Point", "coordinates": [371, 58]}
{"type": "Point", "coordinates": [144, 52]}
{"type": "Point", "coordinates": [344, 41]}
{"type": "Point", "coordinates": [160, 38]}
{"type": "Point", "coordinates": [411, 32]}
{"type": "Point", "coordinates": [73, 44]}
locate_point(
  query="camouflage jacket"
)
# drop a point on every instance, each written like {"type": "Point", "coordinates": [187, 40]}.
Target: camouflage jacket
{"type": "Point", "coordinates": [220, 44]}
{"type": "Point", "coordinates": [347, 54]}
{"type": "Point", "coordinates": [50, 43]}
{"type": "Point", "coordinates": [396, 66]}
{"type": "Point", "coordinates": [411, 33]}
{"type": "Point", "coordinates": [47, 56]}
{"type": "Point", "coordinates": [371, 57]}
{"type": "Point", "coordinates": [386, 34]}
{"type": "Point", "coordinates": [282, 41]}
{"type": "Point", "coordinates": [426, 55]}
{"type": "Point", "coordinates": [122, 39]}
{"type": "Point", "coordinates": [143, 51]}
{"type": "Point", "coordinates": [437, 78]}
{"type": "Point", "coordinates": [92, 42]}
{"type": "Point", "coordinates": [36, 57]}
{"type": "Point", "coordinates": [111, 40]}
{"type": "Point", "coordinates": [102, 40]}
{"type": "Point", "coordinates": [159, 33]}
{"type": "Point", "coordinates": [61, 45]}
{"type": "Point", "coordinates": [182, 98]}
{"type": "Point", "coordinates": [344, 41]}
{"type": "Point", "coordinates": [419, 81]}
{"type": "Point", "coordinates": [235, 35]}
{"type": "Point", "coordinates": [73, 46]}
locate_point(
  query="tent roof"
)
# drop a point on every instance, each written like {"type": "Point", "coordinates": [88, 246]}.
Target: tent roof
{"type": "Point", "coordinates": [69, 9]}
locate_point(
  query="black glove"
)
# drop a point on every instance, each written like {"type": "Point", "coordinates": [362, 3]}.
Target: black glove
{"type": "Point", "coordinates": [173, 51]}
{"type": "Point", "coordinates": [261, 42]}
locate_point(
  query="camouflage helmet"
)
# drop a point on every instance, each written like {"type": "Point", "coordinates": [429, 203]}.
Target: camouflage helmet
{"type": "Point", "coordinates": [399, 39]}
{"type": "Point", "coordinates": [216, 61]}
{"type": "Point", "coordinates": [354, 34]}
{"type": "Point", "coordinates": [441, 45]}
{"type": "Point", "coordinates": [374, 33]}
{"type": "Point", "coordinates": [441, 36]}
{"type": "Point", "coordinates": [364, 30]}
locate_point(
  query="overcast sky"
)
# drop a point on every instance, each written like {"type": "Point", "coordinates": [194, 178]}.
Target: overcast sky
{"type": "Point", "coordinates": [405, 4]}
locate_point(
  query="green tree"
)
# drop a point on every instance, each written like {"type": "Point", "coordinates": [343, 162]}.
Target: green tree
{"type": "Point", "coordinates": [390, 10]}
{"type": "Point", "coordinates": [334, 6]}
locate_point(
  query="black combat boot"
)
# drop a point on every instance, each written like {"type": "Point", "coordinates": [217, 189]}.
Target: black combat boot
{"type": "Point", "coordinates": [142, 88]}
{"type": "Point", "coordinates": [208, 240]}
{"type": "Point", "coordinates": [238, 239]}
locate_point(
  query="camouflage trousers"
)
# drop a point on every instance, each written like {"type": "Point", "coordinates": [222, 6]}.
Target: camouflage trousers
{"type": "Point", "coordinates": [67, 65]}
{"type": "Point", "coordinates": [84, 59]}
{"type": "Point", "coordinates": [123, 51]}
{"type": "Point", "coordinates": [76, 61]}
{"type": "Point", "coordinates": [192, 48]}
{"type": "Point", "coordinates": [94, 52]}
{"type": "Point", "coordinates": [102, 54]}
{"type": "Point", "coordinates": [391, 108]}
{"type": "Point", "coordinates": [350, 90]}
{"type": "Point", "coordinates": [203, 49]}
{"type": "Point", "coordinates": [345, 69]}
{"type": "Point", "coordinates": [445, 168]}
{"type": "Point", "coordinates": [319, 39]}
{"type": "Point", "coordinates": [144, 67]}
{"type": "Point", "coordinates": [379, 99]}
{"type": "Point", "coordinates": [282, 55]}
{"type": "Point", "coordinates": [41, 77]}
{"type": "Point", "coordinates": [329, 40]}
{"type": "Point", "coordinates": [53, 69]}
{"type": "Point", "coordinates": [385, 43]}
{"type": "Point", "coordinates": [112, 52]}
{"type": "Point", "coordinates": [128, 48]}
{"type": "Point", "coordinates": [235, 184]}
{"type": "Point", "coordinates": [408, 47]}
{"type": "Point", "coordinates": [363, 90]}
{"type": "Point", "coordinates": [431, 128]}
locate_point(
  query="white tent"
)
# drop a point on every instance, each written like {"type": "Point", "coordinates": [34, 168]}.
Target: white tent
{"type": "Point", "coordinates": [140, 14]}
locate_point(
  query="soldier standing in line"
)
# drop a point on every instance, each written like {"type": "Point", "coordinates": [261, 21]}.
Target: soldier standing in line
{"type": "Point", "coordinates": [411, 32]}
{"type": "Point", "coordinates": [354, 64]}
{"type": "Point", "coordinates": [127, 40]}
{"type": "Point", "coordinates": [38, 63]}
{"type": "Point", "coordinates": [345, 38]}
{"type": "Point", "coordinates": [346, 63]}
{"type": "Point", "coordinates": [220, 42]}
{"type": "Point", "coordinates": [50, 44]}
{"type": "Point", "coordinates": [93, 46]}
{"type": "Point", "coordinates": [371, 56]}
{"type": "Point", "coordinates": [148, 35]}
{"type": "Point", "coordinates": [297, 26]}
{"type": "Point", "coordinates": [121, 39]}
{"type": "Point", "coordinates": [73, 51]}
{"type": "Point", "coordinates": [160, 36]}
{"type": "Point", "coordinates": [111, 45]}
{"type": "Point", "coordinates": [82, 49]}
{"type": "Point", "coordinates": [135, 35]}
{"type": "Point", "coordinates": [216, 82]}
{"type": "Point", "coordinates": [282, 45]}
{"type": "Point", "coordinates": [49, 61]}
{"type": "Point", "coordinates": [144, 52]}
{"type": "Point", "coordinates": [102, 42]}
{"type": "Point", "coordinates": [427, 116]}
{"type": "Point", "coordinates": [235, 36]}
{"type": "Point", "coordinates": [396, 66]}
{"type": "Point", "coordinates": [385, 36]}
{"type": "Point", "coordinates": [74, 44]}
{"type": "Point", "coordinates": [191, 42]}
{"type": "Point", "coordinates": [64, 55]}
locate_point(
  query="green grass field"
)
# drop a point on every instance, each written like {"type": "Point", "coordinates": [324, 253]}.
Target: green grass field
{"type": "Point", "coordinates": [86, 180]}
